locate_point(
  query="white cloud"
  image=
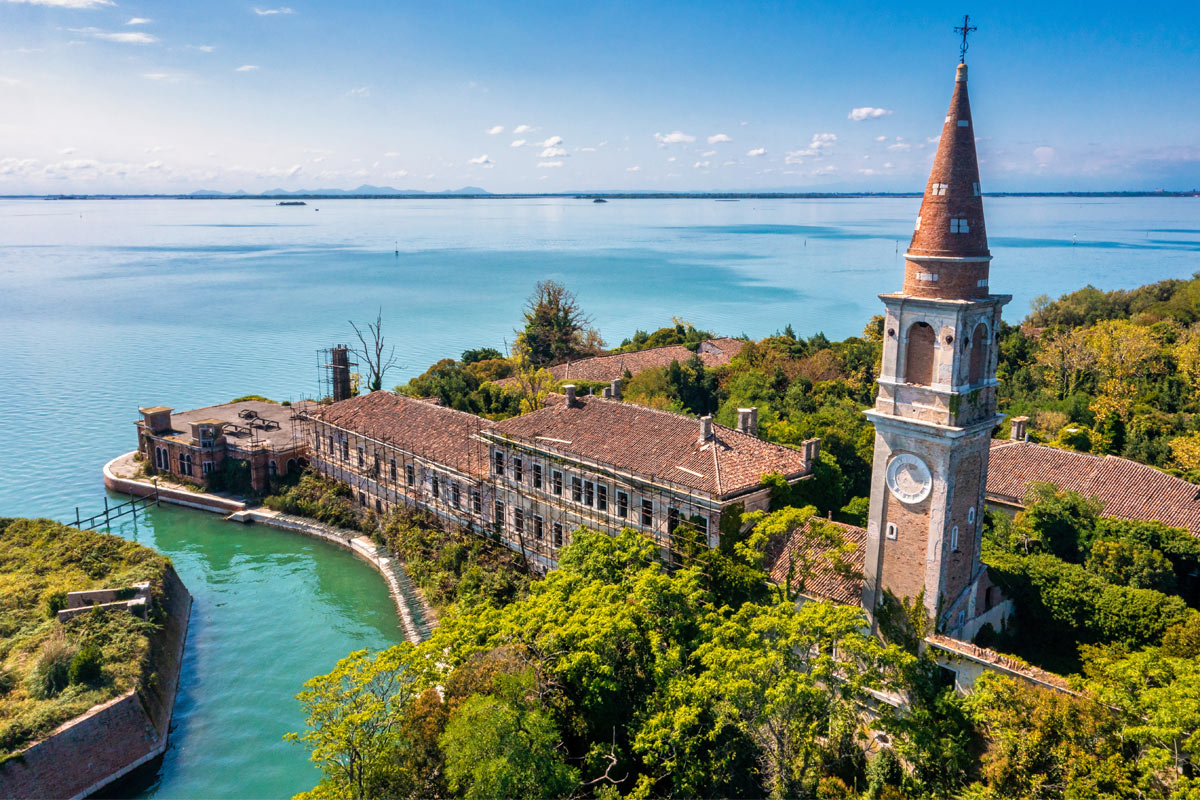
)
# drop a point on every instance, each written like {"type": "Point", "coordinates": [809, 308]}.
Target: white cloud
{"type": "Point", "coordinates": [757, 151]}
{"type": "Point", "coordinates": [17, 166]}
{"type": "Point", "coordinates": [482, 160]}
{"type": "Point", "coordinates": [553, 141]}
{"type": "Point", "coordinates": [826, 170]}
{"type": "Point", "coordinates": [633, 169]}
{"type": "Point", "coordinates": [247, 68]}
{"type": "Point", "coordinates": [669, 160]}
{"type": "Point", "coordinates": [587, 149]}
{"type": "Point", "coordinates": [495, 129]}
{"type": "Point", "coordinates": [517, 143]}
{"type": "Point", "coordinates": [1044, 155]}
{"type": "Point", "coordinates": [744, 124]}
{"type": "Point", "coordinates": [270, 12]}
{"type": "Point", "coordinates": [553, 152]}
{"type": "Point", "coordinates": [400, 173]}
{"type": "Point", "coordinates": [798, 156]}
{"type": "Point", "coordinates": [881, 138]}
{"type": "Point", "coordinates": [719, 137]}
{"type": "Point", "coordinates": [123, 38]}
{"type": "Point", "coordinates": [708, 154]}
{"type": "Point", "coordinates": [203, 48]}
{"type": "Point", "coordinates": [821, 140]}
{"type": "Point", "coordinates": [728, 163]}
{"type": "Point", "coordinates": [675, 137]}
{"type": "Point", "coordinates": [867, 112]}
{"type": "Point", "coordinates": [900, 147]}
{"type": "Point", "coordinates": [67, 3]}
{"type": "Point", "coordinates": [888, 165]}
{"type": "Point", "coordinates": [866, 172]}
{"type": "Point", "coordinates": [66, 151]}
{"type": "Point", "coordinates": [700, 165]}
{"type": "Point", "coordinates": [138, 21]}
{"type": "Point", "coordinates": [549, 164]}
{"type": "Point", "coordinates": [362, 91]}
{"type": "Point", "coordinates": [517, 131]}
{"type": "Point", "coordinates": [165, 77]}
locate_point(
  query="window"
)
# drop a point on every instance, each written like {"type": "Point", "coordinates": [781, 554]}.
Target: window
{"type": "Point", "coordinates": [316, 441]}
{"type": "Point", "coordinates": [891, 530]}
{"type": "Point", "coordinates": [971, 514]}
{"type": "Point", "coordinates": [345, 449]}
{"type": "Point", "coordinates": [518, 470]}
{"type": "Point", "coordinates": [498, 517]}
{"type": "Point", "coordinates": [982, 283]}
{"type": "Point", "coordinates": [519, 519]}
{"type": "Point", "coordinates": [672, 519]}
{"type": "Point", "coordinates": [602, 498]}
{"type": "Point", "coordinates": [958, 225]}
{"type": "Point", "coordinates": [558, 534]}
{"type": "Point", "coordinates": [455, 496]}
{"type": "Point", "coordinates": [207, 467]}
{"type": "Point", "coordinates": [927, 276]}
{"type": "Point", "coordinates": [954, 539]}
{"type": "Point", "coordinates": [537, 476]}
{"type": "Point", "coordinates": [378, 506]}
{"type": "Point", "coordinates": [939, 189]}
{"type": "Point", "coordinates": [538, 527]}
{"type": "Point", "coordinates": [410, 474]}
{"type": "Point", "coordinates": [162, 458]}
{"type": "Point", "coordinates": [964, 123]}
{"type": "Point", "coordinates": [272, 469]}
{"type": "Point", "coordinates": [577, 489]}
{"type": "Point", "coordinates": [589, 492]}
{"type": "Point", "coordinates": [975, 189]}
{"type": "Point", "coordinates": [918, 359]}
{"type": "Point", "coordinates": [917, 227]}
{"type": "Point", "coordinates": [392, 468]}
{"type": "Point", "coordinates": [704, 527]}
{"type": "Point", "coordinates": [362, 498]}
{"type": "Point", "coordinates": [362, 456]}
{"type": "Point", "coordinates": [622, 504]}
{"type": "Point", "coordinates": [435, 485]}
{"type": "Point", "coordinates": [977, 363]}
{"type": "Point", "coordinates": [556, 482]}
{"type": "Point", "coordinates": [377, 461]}
{"type": "Point", "coordinates": [476, 501]}
{"type": "Point", "coordinates": [498, 463]}
{"type": "Point", "coordinates": [185, 463]}
{"type": "Point", "coordinates": [647, 512]}
{"type": "Point", "coordinates": [332, 446]}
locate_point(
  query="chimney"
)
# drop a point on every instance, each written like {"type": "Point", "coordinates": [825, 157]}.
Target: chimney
{"type": "Point", "coordinates": [811, 449]}
{"type": "Point", "coordinates": [607, 393]}
{"type": "Point", "coordinates": [340, 367]}
{"type": "Point", "coordinates": [1018, 429]}
{"type": "Point", "coordinates": [748, 421]}
{"type": "Point", "coordinates": [569, 391]}
{"type": "Point", "coordinates": [615, 389]}
{"type": "Point", "coordinates": [706, 430]}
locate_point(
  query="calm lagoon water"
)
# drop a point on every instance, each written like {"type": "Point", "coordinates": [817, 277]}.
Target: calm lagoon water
{"type": "Point", "coordinates": [109, 305]}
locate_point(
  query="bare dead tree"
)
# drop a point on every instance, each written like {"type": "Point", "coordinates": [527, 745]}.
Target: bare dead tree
{"type": "Point", "coordinates": [371, 354]}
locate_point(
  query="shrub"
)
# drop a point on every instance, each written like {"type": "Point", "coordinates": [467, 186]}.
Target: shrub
{"type": "Point", "coordinates": [55, 602]}
{"type": "Point", "coordinates": [86, 665]}
{"type": "Point", "coordinates": [52, 672]}
{"type": "Point", "coordinates": [7, 681]}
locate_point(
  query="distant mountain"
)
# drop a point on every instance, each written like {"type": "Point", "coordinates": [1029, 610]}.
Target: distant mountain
{"type": "Point", "coordinates": [364, 190]}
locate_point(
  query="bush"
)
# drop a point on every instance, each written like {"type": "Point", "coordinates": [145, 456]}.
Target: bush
{"type": "Point", "coordinates": [319, 499]}
{"type": "Point", "coordinates": [52, 672]}
{"type": "Point", "coordinates": [55, 601]}
{"type": "Point", "coordinates": [86, 665]}
{"type": "Point", "coordinates": [7, 681]}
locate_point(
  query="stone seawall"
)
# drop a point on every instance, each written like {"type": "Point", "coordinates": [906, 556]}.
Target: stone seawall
{"type": "Point", "coordinates": [91, 751]}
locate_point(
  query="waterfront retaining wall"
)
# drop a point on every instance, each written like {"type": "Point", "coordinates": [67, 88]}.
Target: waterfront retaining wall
{"type": "Point", "coordinates": [91, 751]}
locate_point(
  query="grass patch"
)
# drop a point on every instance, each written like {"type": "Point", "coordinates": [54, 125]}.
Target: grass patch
{"type": "Point", "coordinates": [51, 672]}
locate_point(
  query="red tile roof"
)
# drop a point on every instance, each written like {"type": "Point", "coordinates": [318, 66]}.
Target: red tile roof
{"type": "Point", "coordinates": [611, 367]}
{"type": "Point", "coordinates": [1129, 490]}
{"type": "Point", "coordinates": [825, 582]}
{"type": "Point", "coordinates": [431, 431]}
{"type": "Point", "coordinates": [654, 443]}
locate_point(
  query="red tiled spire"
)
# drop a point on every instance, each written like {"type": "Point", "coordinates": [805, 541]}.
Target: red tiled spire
{"type": "Point", "coordinates": [948, 257]}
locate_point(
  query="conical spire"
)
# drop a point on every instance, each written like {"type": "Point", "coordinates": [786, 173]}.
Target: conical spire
{"type": "Point", "coordinates": [948, 257]}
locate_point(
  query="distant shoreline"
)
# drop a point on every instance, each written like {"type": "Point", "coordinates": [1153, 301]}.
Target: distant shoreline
{"type": "Point", "coordinates": [582, 196]}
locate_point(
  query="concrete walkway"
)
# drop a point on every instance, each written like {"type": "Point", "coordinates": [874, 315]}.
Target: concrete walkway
{"type": "Point", "coordinates": [417, 618]}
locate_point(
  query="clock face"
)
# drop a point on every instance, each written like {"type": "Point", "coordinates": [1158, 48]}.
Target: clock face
{"type": "Point", "coordinates": [909, 479]}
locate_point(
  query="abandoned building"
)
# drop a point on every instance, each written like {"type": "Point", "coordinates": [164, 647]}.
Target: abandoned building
{"type": "Point", "coordinates": [533, 479]}
{"type": "Point", "coordinates": [191, 445]}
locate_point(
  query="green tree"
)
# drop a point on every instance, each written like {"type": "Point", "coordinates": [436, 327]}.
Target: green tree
{"type": "Point", "coordinates": [353, 716]}
{"type": "Point", "coordinates": [556, 329]}
{"type": "Point", "coordinates": [497, 748]}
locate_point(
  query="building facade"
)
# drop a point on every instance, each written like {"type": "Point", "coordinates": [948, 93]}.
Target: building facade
{"type": "Point", "coordinates": [532, 480]}
{"type": "Point", "coordinates": [936, 406]}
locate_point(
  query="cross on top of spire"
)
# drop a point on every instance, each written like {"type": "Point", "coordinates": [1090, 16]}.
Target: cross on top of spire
{"type": "Point", "coordinates": [966, 28]}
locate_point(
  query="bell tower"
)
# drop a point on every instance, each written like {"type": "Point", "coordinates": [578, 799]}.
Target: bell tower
{"type": "Point", "coordinates": [936, 405]}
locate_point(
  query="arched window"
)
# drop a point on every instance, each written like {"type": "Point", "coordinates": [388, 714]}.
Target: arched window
{"type": "Point", "coordinates": [979, 355]}
{"type": "Point", "coordinates": [918, 360]}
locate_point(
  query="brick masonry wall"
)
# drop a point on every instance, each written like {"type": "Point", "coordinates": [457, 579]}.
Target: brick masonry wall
{"type": "Point", "coordinates": [89, 752]}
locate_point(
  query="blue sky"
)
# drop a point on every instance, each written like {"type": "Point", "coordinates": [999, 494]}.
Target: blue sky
{"type": "Point", "coordinates": [134, 96]}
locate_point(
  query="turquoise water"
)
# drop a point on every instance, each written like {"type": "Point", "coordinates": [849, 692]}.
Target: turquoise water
{"type": "Point", "coordinates": [108, 305]}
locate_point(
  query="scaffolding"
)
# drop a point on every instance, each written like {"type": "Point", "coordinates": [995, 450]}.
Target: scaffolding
{"type": "Point", "coordinates": [333, 372]}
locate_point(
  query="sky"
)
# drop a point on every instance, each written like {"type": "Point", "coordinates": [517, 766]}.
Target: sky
{"type": "Point", "coordinates": [140, 96]}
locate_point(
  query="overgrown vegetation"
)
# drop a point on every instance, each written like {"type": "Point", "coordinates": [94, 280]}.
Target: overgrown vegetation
{"type": "Point", "coordinates": [52, 671]}
{"type": "Point", "coordinates": [326, 501]}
